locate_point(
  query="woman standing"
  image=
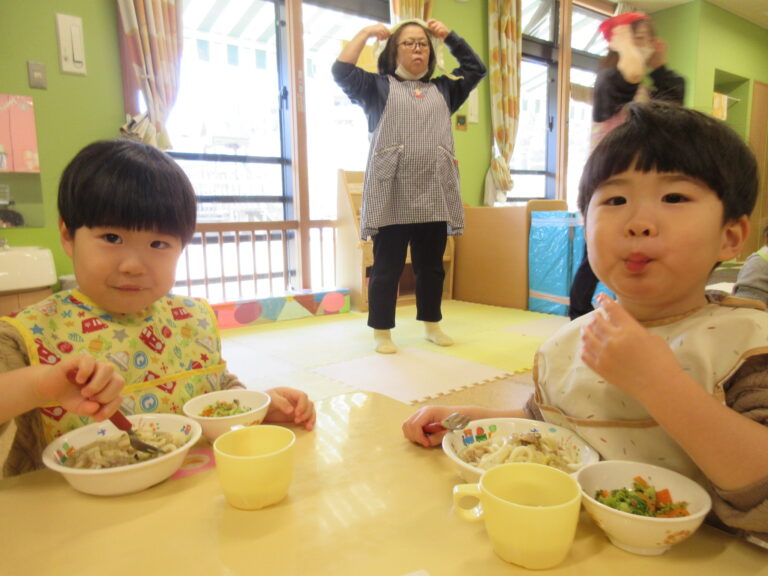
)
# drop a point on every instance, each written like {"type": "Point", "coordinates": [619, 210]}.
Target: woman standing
{"type": "Point", "coordinates": [411, 192]}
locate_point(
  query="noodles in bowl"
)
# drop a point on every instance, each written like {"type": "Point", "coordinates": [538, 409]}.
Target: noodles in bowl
{"type": "Point", "coordinates": [486, 443]}
{"type": "Point", "coordinates": [116, 450]}
{"type": "Point", "coordinates": [523, 447]}
{"type": "Point", "coordinates": [121, 478]}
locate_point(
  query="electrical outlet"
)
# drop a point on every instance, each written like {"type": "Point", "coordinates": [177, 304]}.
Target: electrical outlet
{"type": "Point", "coordinates": [36, 74]}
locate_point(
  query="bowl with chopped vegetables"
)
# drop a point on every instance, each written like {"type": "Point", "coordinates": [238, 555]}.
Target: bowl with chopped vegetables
{"type": "Point", "coordinates": [220, 411]}
{"type": "Point", "coordinates": [642, 508]}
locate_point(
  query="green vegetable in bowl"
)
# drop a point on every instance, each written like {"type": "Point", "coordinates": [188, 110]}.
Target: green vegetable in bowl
{"type": "Point", "coordinates": [219, 409]}
{"type": "Point", "coordinates": [643, 500]}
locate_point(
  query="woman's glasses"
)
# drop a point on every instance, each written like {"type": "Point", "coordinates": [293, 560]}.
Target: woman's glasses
{"type": "Point", "coordinates": [413, 44]}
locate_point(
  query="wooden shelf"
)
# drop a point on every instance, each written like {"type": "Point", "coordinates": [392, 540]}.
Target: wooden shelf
{"type": "Point", "coordinates": [11, 302]}
{"type": "Point", "coordinates": [354, 257]}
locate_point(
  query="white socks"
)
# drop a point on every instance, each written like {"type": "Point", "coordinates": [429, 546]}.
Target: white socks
{"type": "Point", "coordinates": [382, 341]}
{"type": "Point", "coordinates": [433, 333]}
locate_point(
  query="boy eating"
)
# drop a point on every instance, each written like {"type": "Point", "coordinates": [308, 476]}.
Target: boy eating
{"type": "Point", "coordinates": [667, 374]}
{"type": "Point", "coordinates": [126, 212]}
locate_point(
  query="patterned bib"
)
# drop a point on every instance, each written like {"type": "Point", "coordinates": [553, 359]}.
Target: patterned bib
{"type": "Point", "coordinates": [167, 354]}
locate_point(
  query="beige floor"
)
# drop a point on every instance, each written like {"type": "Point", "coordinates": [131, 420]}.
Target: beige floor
{"type": "Point", "coordinates": [289, 353]}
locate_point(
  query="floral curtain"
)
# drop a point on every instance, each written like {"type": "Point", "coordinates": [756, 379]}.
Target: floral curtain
{"type": "Point", "coordinates": [150, 42]}
{"type": "Point", "coordinates": [506, 50]}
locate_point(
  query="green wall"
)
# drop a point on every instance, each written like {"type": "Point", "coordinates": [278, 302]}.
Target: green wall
{"type": "Point", "coordinates": [473, 146]}
{"type": "Point", "coordinates": [677, 27]}
{"type": "Point", "coordinates": [713, 49]}
{"type": "Point", "coordinates": [73, 110]}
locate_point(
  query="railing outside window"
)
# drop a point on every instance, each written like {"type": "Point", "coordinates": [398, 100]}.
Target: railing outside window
{"type": "Point", "coordinates": [229, 262]}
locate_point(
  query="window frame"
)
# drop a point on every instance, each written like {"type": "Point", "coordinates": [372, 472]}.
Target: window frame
{"type": "Point", "coordinates": [548, 53]}
{"type": "Point", "coordinates": [286, 158]}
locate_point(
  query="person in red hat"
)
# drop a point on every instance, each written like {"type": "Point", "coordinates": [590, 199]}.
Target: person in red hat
{"type": "Point", "coordinates": [635, 53]}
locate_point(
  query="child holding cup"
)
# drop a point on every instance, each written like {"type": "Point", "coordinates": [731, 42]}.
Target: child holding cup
{"type": "Point", "coordinates": [126, 212]}
{"type": "Point", "coordinates": [667, 374]}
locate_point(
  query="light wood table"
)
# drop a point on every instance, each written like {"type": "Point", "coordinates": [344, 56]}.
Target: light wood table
{"type": "Point", "coordinates": [363, 501]}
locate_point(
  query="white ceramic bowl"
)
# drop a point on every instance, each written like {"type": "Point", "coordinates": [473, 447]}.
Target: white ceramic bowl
{"type": "Point", "coordinates": [491, 428]}
{"type": "Point", "coordinates": [258, 402]}
{"type": "Point", "coordinates": [642, 534]}
{"type": "Point", "coordinates": [121, 479]}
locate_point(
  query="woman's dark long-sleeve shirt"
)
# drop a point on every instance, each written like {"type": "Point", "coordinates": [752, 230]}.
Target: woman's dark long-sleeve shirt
{"type": "Point", "coordinates": [370, 91]}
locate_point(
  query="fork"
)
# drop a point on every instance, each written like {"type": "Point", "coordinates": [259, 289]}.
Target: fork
{"type": "Point", "coordinates": [122, 423]}
{"type": "Point", "coordinates": [455, 421]}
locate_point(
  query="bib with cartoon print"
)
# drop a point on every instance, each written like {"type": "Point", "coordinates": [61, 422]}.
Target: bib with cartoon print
{"type": "Point", "coordinates": [167, 354]}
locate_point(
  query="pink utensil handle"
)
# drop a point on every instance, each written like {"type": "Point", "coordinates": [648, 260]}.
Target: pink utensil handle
{"type": "Point", "coordinates": [433, 427]}
{"type": "Point", "coordinates": [119, 420]}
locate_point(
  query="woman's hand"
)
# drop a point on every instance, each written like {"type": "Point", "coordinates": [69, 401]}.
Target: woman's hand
{"type": "Point", "coordinates": [378, 31]}
{"type": "Point", "coordinates": [438, 29]}
{"type": "Point", "coordinates": [659, 57]}
{"type": "Point", "coordinates": [290, 406]}
{"type": "Point", "coordinates": [351, 51]}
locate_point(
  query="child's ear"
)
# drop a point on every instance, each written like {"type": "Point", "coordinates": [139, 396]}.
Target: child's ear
{"type": "Point", "coordinates": [67, 239]}
{"type": "Point", "coordinates": [735, 234]}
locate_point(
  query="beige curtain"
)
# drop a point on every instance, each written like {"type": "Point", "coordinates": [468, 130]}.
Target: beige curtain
{"type": "Point", "coordinates": [150, 42]}
{"type": "Point", "coordinates": [409, 9]}
{"type": "Point", "coordinates": [506, 49]}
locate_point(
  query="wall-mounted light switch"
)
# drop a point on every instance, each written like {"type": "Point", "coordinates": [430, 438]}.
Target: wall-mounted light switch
{"type": "Point", "coordinates": [473, 115]}
{"type": "Point", "coordinates": [36, 74]}
{"type": "Point", "coordinates": [71, 47]}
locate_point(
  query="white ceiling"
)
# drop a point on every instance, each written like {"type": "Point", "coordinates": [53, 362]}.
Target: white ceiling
{"type": "Point", "coordinates": [755, 11]}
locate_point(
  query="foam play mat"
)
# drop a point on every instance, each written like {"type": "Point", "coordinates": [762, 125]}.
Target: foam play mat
{"type": "Point", "coordinates": [411, 375]}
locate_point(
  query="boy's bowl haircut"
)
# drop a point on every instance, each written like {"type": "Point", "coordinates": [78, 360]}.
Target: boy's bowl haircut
{"type": "Point", "coordinates": [127, 184]}
{"type": "Point", "coordinates": [669, 138]}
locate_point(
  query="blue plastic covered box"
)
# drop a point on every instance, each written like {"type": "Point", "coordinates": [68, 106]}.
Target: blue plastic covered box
{"type": "Point", "coordinates": [555, 250]}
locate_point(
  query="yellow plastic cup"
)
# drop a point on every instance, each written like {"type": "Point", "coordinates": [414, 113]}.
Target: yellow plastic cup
{"type": "Point", "coordinates": [255, 465]}
{"type": "Point", "coordinates": [530, 511]}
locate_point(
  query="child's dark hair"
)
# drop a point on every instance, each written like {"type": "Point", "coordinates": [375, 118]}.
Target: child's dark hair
{"type": "Point", "coordinates": [668, 138]}
{"type": "Point", "coordinates": [387, 62]}
{"type": "Point", "coordinates": [127, 184]}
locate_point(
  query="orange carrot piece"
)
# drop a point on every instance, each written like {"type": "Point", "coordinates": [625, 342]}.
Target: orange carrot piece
{"type": "Point", "coordinates": [663, 497]}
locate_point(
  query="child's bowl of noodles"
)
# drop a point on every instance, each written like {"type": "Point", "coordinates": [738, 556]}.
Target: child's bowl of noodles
{"type": "Point", "coordinates": [220, 411]}
{"type": "Point", "coordinates": [486, 443]}
{"type": "Point", "coordinates": [98, 459]}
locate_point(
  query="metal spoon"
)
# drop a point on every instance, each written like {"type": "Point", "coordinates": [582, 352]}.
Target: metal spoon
{"type": "Point", "coordinates": [119, 420]}
{"type": "Point", "coordinates": [455, 421]}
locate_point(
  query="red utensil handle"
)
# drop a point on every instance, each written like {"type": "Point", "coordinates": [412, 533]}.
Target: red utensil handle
{"type": "Point", "coordinates": [119, 420]}
{"type": "Point", "coordinates": [433, 427]}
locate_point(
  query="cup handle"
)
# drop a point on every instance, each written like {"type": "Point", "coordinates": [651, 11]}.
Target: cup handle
{"type": "Point", "coordinates": [461, 491]}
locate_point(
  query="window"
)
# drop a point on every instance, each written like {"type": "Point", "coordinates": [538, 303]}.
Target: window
{"type": "Point", "coordinates": [534, 159]}
{"type": "Point", "coordinates": [529, 161]}
{"type": "Point", "coordinates": [330, 114]}
{"type": "Point", "coordinates": [579, 129]}
{"type": "Point", "coordinates": [228, 128]}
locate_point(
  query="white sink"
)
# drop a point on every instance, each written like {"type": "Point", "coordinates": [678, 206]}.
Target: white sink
{"type": "Point", "coordinates": [26, 268]}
